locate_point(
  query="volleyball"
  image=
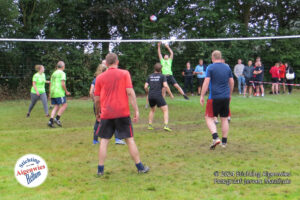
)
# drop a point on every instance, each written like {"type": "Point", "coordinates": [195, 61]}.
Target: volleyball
{"type": "Point", "coordinates": [153, 18]}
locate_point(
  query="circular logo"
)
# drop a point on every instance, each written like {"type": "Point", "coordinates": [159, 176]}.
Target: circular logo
{"type": "Point", "coordinates": [31, 170]}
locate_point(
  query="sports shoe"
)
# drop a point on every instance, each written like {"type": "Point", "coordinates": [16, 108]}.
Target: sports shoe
{"type": "Point", "coordinates": [262, 94]}
{"type": "Point", "coordinates": [150, 127]}
{"type": "Point", "coordinates": [223, 145]}
{"type": "Point", "coordinates": [28, 115]}
{"type": "Point", "coordinates": [216, 121]}
{"type": "Point", "coordinates": [146, 106]}
{"type": "Point", "coordinates": [118, 141]}
{"type": "Point", "coordinates": [145, 170]}
{"type": "Point", "coordinates": [229, 119]}
{"type": "Point", "coordinates": [99, 174]}
{"type": "Point", "coordinates": [185, 97]}
{"type": "Point", "coordinates": [57, 122]}
{"type": "Point", "coordinates": [215, 143]}
{"type": "Point", "coordinates": [51, 125]}
{"type": "Point", "coordinates": [166, 128]}
{"type": "Point", "coordinates": [95, 142]}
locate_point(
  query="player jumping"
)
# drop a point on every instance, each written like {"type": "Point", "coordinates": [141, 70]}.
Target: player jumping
{"type": "Point", "coordinates": [166, 63]}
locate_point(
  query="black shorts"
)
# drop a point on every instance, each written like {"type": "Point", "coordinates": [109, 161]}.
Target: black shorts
{"type": "Point", "coordinates": [274, 80]}
{"type": "Point", "coordinates": [258, 82]}
{"type": "Point", "coordinates": [247, 82]}
{"type": "Point", "coordinates": [282, 80]}
{"type": "Point", "coordinates": [221, 107]}
{"type": "Point", "coordinates": [200, 81]}
{"type": "Point", "coordinates": [171, 80]}
{"type": "Point", "coordinates": [122, 125]}
{"type": "Point", "coordinates": [157, 101]}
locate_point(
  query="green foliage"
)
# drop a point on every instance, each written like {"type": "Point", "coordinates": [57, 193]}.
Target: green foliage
{"type": "Point", "coordinates": [95, 19]}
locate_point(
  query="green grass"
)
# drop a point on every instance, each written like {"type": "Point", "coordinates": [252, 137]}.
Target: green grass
{"type": "Point", "coordinates": [264, 136]}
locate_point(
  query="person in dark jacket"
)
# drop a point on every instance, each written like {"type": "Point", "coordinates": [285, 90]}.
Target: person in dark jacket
{"type": "Point", "coordinates": [248, 74]}
{"type": "Point", "coordinates": [188, 73]}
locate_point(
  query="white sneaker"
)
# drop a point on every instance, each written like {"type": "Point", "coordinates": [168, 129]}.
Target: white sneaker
{"type": "Point", "coordinates": [215, 143]}
{"type": "Point", "coordinates": [223, 145]}
{"type": "Point", "coordinates": [262, 94]}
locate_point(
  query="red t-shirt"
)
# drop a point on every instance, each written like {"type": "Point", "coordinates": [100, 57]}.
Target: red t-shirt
{"type": "Point", "coordinates": [274, 71]}
{"type": "Point", "coordinates": [111, 87]}
{"type": "Point", "coordinates": [282, 71]}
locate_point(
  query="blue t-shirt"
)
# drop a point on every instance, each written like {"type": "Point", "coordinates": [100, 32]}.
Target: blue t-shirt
{"type": "Point", "coordinates": [201, 69]}
{"type": "Point", "coordinates": [94, 82]}
{"type": "Point", "coordinates": [219, 74]}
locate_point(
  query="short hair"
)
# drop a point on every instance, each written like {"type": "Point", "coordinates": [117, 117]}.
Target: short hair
{"type": "Point", "coordinates": [216, 54]}
{"type": "Point", "coordinates": [157, 67]}
{"type": "Point", "coordinates": [100, 69]}
{"type": "Point", "coordinates": [60, 64]}
{"type": "Point", "coordinates": [111, 58]}
{"type": "Point", "coordinates": [38, 67]}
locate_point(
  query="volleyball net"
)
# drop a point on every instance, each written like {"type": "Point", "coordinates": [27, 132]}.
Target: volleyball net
{"type": "Point", "coordinates": [19, 56]}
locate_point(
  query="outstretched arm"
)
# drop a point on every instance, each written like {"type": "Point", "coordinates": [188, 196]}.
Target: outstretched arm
{"type": "Point", "coordinates": [159, 51]}
{"type": "Point", "coordinates": [170, 51]}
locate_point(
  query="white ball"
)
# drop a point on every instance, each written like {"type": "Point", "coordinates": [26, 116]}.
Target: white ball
{"type": "Point", "coordinates": [153, 18]}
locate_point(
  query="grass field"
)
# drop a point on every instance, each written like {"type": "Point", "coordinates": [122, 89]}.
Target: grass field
{"type": "Point", "coordinates": [264, 136]}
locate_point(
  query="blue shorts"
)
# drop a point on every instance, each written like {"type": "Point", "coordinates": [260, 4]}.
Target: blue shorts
{"type": "Point", "coordinates": [58, 100]}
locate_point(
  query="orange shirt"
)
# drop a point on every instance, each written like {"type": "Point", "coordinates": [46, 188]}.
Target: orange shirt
{"type": "Point", "coordinates": [282, 69]}
{"type": "Point", "coordinates": [111, 87]}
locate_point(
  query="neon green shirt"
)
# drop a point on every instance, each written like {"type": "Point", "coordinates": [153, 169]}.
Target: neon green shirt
{"type": "Point", "coordinates": [56, 87]}
{"type": "Point", "coordinates": [166, 66]}
{"type": "Point", "coordinates": [40, 80]}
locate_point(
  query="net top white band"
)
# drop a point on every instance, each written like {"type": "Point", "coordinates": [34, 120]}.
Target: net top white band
{"type": "Point", "coordinates": [146, 40]}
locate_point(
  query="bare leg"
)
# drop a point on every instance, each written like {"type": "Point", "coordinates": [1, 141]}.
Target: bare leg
{"type": "Point", "coordinates": [283, 86]}
{"type": "Point", "coordinates": [62, 109]}
{"type": "Point", "coordinates": [199, 90]}
{"type": "Point", "coordinates": [166, 113]}
{"type": "Point", "coordinates": [211, 124]}
{"type": "Point", "coordinates": [55, 109]}
{"type": "Point", "coordinates": [103, 150]}
{"type": "Point", "coordinates": [178, 88]}
{"type": "Point", "coordinates": [273, 88]}
{"type": "Point", "coordinates": [262, 89]}
{"type": "Point", "coordinates": [225, 127]}
{"type": "Point", "coordinates": [276, 88]}
{"type": "Point", "coordinates": [250, 90]}
{"type": "Point", "coordinates": [245, 90]}
{"type": "Point", "coordinates": [133, 150]}
{"type": "Point", "coordinates": [151, 114]}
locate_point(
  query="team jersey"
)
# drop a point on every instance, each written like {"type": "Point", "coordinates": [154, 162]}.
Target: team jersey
{"type": "Point", "coordinates": [155, 82]}
{"type": "Point", "coordinates": [274, 71]}
{"type": "Point", "coordinates": [40, 80]}
{"type": "Point", "coordinates": [56, 86]}
{"type": "Point", "coordinates": [111, 87]}
{"type": "Point", "coordinates": [261, 75]}
{"type": "Point", "coordinates": [219, 74]}
{"type": "Point", "coordinates": [282, 70]}
{"type": "Point", "coordinates": [166, 66]}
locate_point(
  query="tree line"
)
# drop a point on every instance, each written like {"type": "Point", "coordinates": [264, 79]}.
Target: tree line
{"type": "Point", "coordinates": [112, 19]}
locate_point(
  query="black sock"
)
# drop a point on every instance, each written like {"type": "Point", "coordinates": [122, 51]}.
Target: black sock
{"type": "Point", "coordinates": [57, 117]}
{"type": "Point", "coordinates": [215, 136]}
{"type": "Point", "coordinates": [100, 168]}
{"type": "Point", "coordinates": [51, 120]}
{"type": "Point", "coordinates": [224, 140]}
{"type": "Point", "coordinates": [139, 166]}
